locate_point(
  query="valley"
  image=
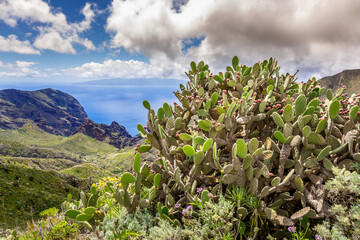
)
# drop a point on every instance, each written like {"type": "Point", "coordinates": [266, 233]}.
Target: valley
{"type": "Point", "coordinates": [41, 169]}
{"type": "Point", "coordinates": [49, 148]}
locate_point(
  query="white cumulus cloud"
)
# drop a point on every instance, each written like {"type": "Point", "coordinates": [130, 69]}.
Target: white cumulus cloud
{"type": "Point", "coordinates": [12, 44]}
{"type": "Point", "coordinates": [24, 64]}
{"type": "Point", "coordinates": [52, 40]}
{"type": "Point", "coordinates": [55, 32]}
{"type": "Point", "coordinates": [20, 69]}
{"type": "Point", "coordinates": [115, 69]}
{"type": "Point", "coordinates": [313, 35]}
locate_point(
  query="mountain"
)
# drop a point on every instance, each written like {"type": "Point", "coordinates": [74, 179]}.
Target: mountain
{"type": "Point", "coordinates": [53, 111]}
{"type": "Point", "coordinates": [349, 78]}
{"type": "Point", "coordinates": [57, 113]}
{"type": "Point", "coordinates": [114, 134]}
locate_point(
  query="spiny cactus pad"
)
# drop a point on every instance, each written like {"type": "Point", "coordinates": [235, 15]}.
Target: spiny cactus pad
{"type": "Point", "coordinates": [250, 127]}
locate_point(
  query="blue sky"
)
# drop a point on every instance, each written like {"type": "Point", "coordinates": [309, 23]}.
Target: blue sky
{"type": "Point", "coordinates": [45, 43]}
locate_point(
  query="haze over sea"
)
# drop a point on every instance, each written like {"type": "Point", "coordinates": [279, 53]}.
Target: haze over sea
{"type": "Point", "coordinates": [121, 102]}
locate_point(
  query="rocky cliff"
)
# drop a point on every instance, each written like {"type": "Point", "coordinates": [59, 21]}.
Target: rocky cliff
{"type": "Point", "coordinates": [114, 134]}
{"type": "Point", "coordinates": [53, 111]}
{"type": "Point", "coordinates": [349, 78]}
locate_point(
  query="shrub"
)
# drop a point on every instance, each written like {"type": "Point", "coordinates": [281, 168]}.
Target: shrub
{"type": "Point", "coordinates": [51, 227]}
{"type": "Point", "coordinates": [344, 198]}
{"type": "Point", "coordinates": [264, 141]}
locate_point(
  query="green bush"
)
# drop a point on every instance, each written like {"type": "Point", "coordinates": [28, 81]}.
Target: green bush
{"type": "Point", "coordinates": [253, 128]}
{"type": "Point", "coordinates": [344, 198]}
{"type": "Point", "coordinates": [51, 227]}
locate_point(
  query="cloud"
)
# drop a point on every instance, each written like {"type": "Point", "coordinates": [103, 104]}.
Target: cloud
{"type": "Point", "coordinates": [313, 35]}
{"type": "Point", "coordinates": [23, 64]}
{"type": "Point", "coordinates": [56, 33]}
{"type": "Point", "coordinates": [116, 69]}
{"type": "Point", "coordinates": [52, 40]}
{"type": "Point", "coordinates": [33, 11]}
{"type": "Point", "coordinates": [12, 44]}
{"type": "Point", "coordinates": [20, 69]}
{"type": "Point", "coordinates": [61, 35]}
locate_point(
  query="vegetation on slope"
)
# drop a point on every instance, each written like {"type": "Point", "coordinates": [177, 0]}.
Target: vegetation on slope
{"type": "Point", "coordinates": [79, 144]}
{"type": "Point", "coordinates": [87, 170]}
{"type": "Point", "coordinates": [40, 169]}
{"type": "Point", "coordinates": [34, 143]}
{"type": "Point", "coordinates": [24, 192]}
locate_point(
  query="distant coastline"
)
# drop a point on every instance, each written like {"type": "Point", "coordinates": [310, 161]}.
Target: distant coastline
{"type": "Point", "coordinates": [140, 82]}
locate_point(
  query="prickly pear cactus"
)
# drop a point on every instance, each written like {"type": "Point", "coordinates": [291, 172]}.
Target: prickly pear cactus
{"type": "Point", "coordinates": [131, 185]}
{"type": "Point", "coordinates": [251, 127]}
{"type": "Point", "coordinates": [86, 211]}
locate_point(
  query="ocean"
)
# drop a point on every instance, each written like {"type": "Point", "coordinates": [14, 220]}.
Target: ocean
{"type": "Point", "coordinates": [108, 101]}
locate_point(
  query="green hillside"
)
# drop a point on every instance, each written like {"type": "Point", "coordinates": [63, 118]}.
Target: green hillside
{"type": "Point", "coordinates": [38, 170]}
{"type": "Point", "coordinates": [78, 144]}
{"type": "Point", "coordinates": [83, 145]}
{"type": "Point", "coordinates": [29, 134]}
{"type": "Point", "coordinates": [87, 170]}
{"type": "Point", "coordinates": [32, 142]}
{"type": "Point", "coordinates": [25, 192]}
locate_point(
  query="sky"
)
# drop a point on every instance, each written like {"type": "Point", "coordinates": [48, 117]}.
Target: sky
{"type": "Point", "coordinates": [56, 43]}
